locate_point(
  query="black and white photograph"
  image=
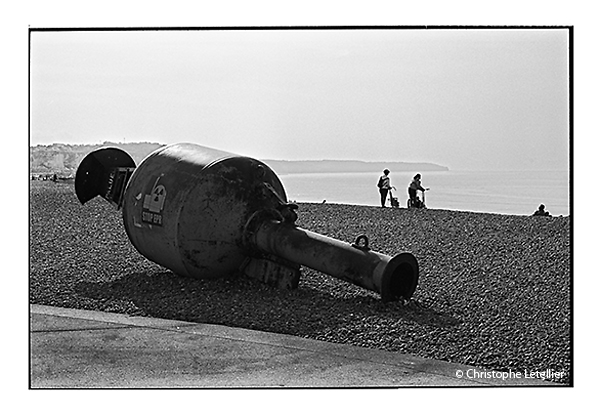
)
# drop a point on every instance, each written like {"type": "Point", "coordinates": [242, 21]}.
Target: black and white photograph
{"type": "Point", "coordinates": [299, 208]}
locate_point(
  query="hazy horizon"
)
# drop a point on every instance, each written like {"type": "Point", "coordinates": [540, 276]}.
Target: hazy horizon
{"type": "Point", "coordinates": [566, 170]}
{"type": "Point", "coordinates": [467, 99]}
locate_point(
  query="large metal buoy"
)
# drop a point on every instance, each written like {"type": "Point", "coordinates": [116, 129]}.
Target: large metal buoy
{"type": "Point", "coordinates": [206, 213]}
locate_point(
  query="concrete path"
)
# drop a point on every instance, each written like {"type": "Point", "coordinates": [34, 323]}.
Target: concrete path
{"type": "Point", "coordinates": [88, 349]}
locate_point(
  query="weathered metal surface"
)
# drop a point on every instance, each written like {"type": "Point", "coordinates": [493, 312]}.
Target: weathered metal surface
{"type": "Point", "coordinates": [207, 213]}
{"type": "Point", "coordinates": [392, 277]}
{"type": "Point", "coordinates": [273, 271]}
{"type": "Point", "coordinates": [93, 177]}
{"type": "Point", "coordinates": [186, 205]}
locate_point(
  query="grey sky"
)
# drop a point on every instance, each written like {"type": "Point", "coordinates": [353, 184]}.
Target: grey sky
{"type": "Point", "coordinates": [471, 99]}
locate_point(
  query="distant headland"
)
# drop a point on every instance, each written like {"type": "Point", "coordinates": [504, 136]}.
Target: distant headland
{"type": "Point", "coordinates": [347, 166]}
{"type": "Point", "coordinates": [64, 159]}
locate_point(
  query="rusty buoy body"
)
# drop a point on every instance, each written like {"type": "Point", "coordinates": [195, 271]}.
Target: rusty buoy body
{"type": "Point", "coordinates": [206, 213]}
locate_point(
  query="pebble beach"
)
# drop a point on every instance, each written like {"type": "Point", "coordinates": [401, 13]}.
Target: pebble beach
{"type": "Point", "coordinates": [494, 290]}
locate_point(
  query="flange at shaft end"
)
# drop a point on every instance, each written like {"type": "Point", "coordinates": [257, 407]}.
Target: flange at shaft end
{"type": "Point", "coordinates": [399, 278]}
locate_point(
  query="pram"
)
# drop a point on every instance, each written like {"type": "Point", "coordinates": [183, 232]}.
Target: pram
{"type": "Point", "coordinates": [394, 200]}
{"type": "Point", "coordinates": [417, 203]}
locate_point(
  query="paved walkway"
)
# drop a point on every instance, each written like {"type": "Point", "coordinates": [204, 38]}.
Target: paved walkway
{"type": "Point", "coordinates": [88, 349]}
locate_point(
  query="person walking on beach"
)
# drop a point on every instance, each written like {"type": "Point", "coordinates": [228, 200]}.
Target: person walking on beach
{"type": "Point", "coordinates": [384, 186]}
{"type": "Point", "coordinates": [413, 187]}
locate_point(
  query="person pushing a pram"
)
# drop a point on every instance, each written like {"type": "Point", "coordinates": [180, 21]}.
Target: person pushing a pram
{"type": "Point", "coordinates": [413, 199]}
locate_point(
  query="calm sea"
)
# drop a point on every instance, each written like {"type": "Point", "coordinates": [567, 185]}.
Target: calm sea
{"type": "Point", "coordinates": [515, 193]}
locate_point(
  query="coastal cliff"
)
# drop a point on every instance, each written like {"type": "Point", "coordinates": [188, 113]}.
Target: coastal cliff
{"type": "Point", "coordinates": [63, 159]}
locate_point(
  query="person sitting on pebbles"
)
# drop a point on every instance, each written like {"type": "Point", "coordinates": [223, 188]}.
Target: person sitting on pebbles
{"type": "Point", "coordinates": [541, 211]}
